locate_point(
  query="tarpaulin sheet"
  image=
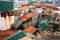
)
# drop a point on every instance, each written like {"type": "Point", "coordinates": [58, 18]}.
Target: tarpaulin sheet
{"type": "Point", "coordinates": [5, 6]}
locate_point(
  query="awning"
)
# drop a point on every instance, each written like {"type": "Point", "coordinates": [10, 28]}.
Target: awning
{"type": "Point", "coordinates": [30, 29]}
{"type": "Point", "coordinates": [8, 32]}
{"type": "Point", "coordinates": [27, 16]}
{"type": "Point", "coordinates": [25, 4]}
{"type": "Point", "coordinates": [47, 14]}
{"type": "Point", "coordinates": [51, 5]}
{"type": "Point", "coordinates": [53, 13]}
{"type": "Point", "coordinates": [36, 4]}
{"type": "Point", "coordinates": [5, 6]}
{"type": "Point", "coordinates": [23, 8]}
{"type": "Point", "coordinates": [25, 38]}
{"type": "Point", "coordinates": [44, 24]}
{"type": "Point", "coordinates": [58, 7]}
{"type": "Point", "coordinates": [56, 11]}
